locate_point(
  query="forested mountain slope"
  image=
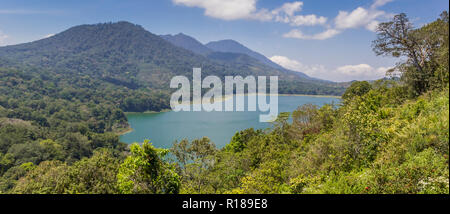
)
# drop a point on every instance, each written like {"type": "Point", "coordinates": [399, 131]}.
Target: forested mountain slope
{"type": "Point", "coordinates": [126, 54]}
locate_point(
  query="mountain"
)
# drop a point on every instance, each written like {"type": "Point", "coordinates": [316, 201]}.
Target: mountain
{"type": "Point", "coordinates": [233, 58]}
{"type": "Point", "coordinates": [236, 47]}
{"type": "Point", "coordinates": [225, 50]}
{"type": "Point", "coordinates": [191, 44]}
{"type": "Point", "coordinates": [127, 55]}
{"type": "Point", "coordinates": [121, 53]}
{"type": "Point", "coordinates": [188, 43]}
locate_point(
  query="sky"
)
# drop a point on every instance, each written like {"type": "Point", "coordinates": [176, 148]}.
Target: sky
{"type": "Point", "coordinates": [327, 39]}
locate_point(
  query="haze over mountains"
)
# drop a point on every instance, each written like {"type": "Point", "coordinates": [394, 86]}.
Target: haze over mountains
{"type": "Point", "coordinates": [126, 54]}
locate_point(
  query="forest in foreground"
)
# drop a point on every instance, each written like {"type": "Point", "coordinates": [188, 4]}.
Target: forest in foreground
{"type": "Point", "coordinates": [387, 136]}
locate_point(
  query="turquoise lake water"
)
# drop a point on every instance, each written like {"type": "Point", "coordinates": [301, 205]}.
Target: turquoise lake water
{"type": "Point", "coordinates": [162, 129]}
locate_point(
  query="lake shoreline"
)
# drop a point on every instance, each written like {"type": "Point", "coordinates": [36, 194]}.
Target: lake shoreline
{"type": "Point", "coordinates": [123, 131]}
{"type": "Point", "coordinates": [127, 130]}
{"type": "Point", "coordinates": [148, 112]}
{"type": "Point", "coordinates": [225, 98]}
{"type": "Point", "coordinates": [220, 126]}
{"type": "Point", "coordinates": [308, 95]}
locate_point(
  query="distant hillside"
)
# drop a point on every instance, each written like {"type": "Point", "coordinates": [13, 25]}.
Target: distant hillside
{"type": "Point", "coordinates": [127, 55]}
{"type": "Point", "coordinates": [187, 42]}
{"type": "Point", "coordinates": [225, 50]}
{"type": "Point", "coordinates": [235, 47]}
{"type": "Point", "coordinates": [119, 52]}
{"type": "Point", "coordinates": [233, 57]}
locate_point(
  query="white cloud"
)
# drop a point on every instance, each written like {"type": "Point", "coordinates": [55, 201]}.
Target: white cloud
{"type": "Point", "coordinates": [287, 13]}
{"type": "Point", "coordinates": [354, 69]}
{"type": "Point", "coordinates": [294, 65]}
{"type": "Point", "coordinates": [3, 38]}
{"type": "Point", "coordinates": [373, 25]}
{"type": "Point", "coordinates": [287, 63]}
{"type": "Point", "coordinates": [361, 72]}
{"type": "Point", "coordinates": [289, 8]}
{"type": "Point", "coordinates": [341, 74]}
{"type": "Point", "coordinates": [246, 9]}
{"type": "Point", "coordinates": [48, 36]}
{"type": "Point", "coordinates": [308, 20]}
{"type": "Point", "coordinates": [227, 10]}
{"type": "Point", "coordinates": [359, 17]}
{"type": "Point", "coordinates": [261, 15]}
{"type": "Point", "coordinates": [351, 20]}
{"type": "Point", "coordinates": [379, 3]}
{"type": "Point", "coordinates": [297, 34]}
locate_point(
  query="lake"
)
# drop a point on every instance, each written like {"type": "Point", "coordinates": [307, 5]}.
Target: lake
{"type": "Point", "coordinates": [162, 129]}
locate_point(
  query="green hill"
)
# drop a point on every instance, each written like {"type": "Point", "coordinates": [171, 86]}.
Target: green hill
{"type": "Point", "coordinates": [126, 54]}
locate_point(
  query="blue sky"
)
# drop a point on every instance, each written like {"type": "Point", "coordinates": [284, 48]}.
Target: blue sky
{"type": "Point", "coordinates": [328, 39]}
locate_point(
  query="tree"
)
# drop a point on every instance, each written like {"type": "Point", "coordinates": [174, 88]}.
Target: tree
{"type": "Point", "coordinates": [195, 159]}
{"type": "Point", "coordinates": [95, 175]}
{"type": "Point", "coordinates": [49, 177]}
{"type": "Point", "coordinates": [434, 38]}
{"type": "Point", "coordinates": [357, 88]}
{"type": "Point", "coordinates": [308, 120]}
{"type": "Point", "coordinates": [423, 49]}
{"type": "Point", "coordinates": [240, 139]}
{"type": "Point", "coordinates": [145, 171]}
